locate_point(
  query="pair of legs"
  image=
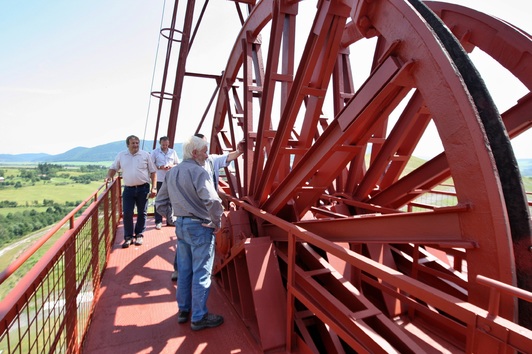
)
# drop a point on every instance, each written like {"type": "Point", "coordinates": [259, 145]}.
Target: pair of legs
{"type": "Point", "coordinates": [135, 197]}
{"type": "Point", "coordinates": [159, 217]}
{"type": "Point", "coordinates": [195, 259]}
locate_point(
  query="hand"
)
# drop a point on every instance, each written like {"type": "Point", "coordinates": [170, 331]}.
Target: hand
{"type": "Point", "coordinates": [240, 146]}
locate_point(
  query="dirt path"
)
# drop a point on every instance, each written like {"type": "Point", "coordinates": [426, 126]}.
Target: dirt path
{"type": "Point", "coordinates": [23, 243]}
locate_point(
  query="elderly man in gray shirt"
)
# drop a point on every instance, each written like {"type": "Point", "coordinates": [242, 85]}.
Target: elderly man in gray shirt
{"type": "Point", "coordinates": [198, 208]}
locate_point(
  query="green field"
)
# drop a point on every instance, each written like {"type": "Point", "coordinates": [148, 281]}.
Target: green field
{"type": "Point", "coordinates": [59, 189]}
{"type": "Point", "coordinates": [32, 198]}
{"type": "Point", "coordinates": [30, 195]}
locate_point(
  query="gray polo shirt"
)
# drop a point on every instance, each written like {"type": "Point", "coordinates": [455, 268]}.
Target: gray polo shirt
{"type": "Point", "coordinates": [190, 190]}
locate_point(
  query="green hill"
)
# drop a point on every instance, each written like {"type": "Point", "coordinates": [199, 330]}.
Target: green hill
{"type": "Point", "coordinates": [106, 152]}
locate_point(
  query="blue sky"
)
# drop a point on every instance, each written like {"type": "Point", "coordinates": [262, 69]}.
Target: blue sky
{"type": "Point", "coordinates": [74, 73]}
{"type": "Point", "coordinates": [79, 73]}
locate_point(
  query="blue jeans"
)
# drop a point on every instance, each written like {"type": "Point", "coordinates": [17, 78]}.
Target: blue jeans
{"type": "Point", "coordinates": [195, 258]}
{"type": "Point", "coordinates": [131, 197]}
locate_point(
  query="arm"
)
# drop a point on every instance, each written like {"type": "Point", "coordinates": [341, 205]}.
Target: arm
{"type": "Point", "coordinates": [163, 199]}
{"type": "Point", "coordinates": [153, 158]}
{"type": "Point", "coordinates": [113, 169]}
{"type": "Point", "coordinates": [153, 177]}
{"type": "Point", "coordinates": [208, 195]}
{"type": "Point", "coordinates": [233, 155]}
{"type": "Point", "coordinates": [239, 151]}
{"type": "Point", "coordinates": [110, 174]}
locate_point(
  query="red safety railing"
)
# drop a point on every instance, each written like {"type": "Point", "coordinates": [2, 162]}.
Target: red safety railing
{"type": "Point", "coordinates": [50, 308]}
{"type": "Point", "coordinates": [434, 199]}
{"type": "Point", "coordinates": [480, 326]}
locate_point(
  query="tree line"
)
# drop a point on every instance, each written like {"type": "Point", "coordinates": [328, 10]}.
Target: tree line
{"type": "Point", "coordinates": [17, 224]}
{"type": "Point", "coordinates": [46, 171]}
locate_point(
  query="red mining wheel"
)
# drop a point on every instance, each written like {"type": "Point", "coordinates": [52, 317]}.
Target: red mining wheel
{"type": "Point", "coordinates": [332, 158]}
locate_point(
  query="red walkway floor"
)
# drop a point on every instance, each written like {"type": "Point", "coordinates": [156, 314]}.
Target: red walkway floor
{"type": "Point", "coordinates": [137, 310]}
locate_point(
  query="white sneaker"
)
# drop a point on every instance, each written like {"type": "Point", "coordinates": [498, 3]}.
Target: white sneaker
{"type": "Point", "coordinates": [159, 225]}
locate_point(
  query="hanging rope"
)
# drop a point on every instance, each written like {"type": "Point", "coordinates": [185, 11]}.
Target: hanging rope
{"type": "Point", "coordinates": [153, 76]}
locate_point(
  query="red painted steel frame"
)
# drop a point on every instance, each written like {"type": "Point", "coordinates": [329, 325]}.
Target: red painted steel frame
{"type": "Point", "coordinates": [337, 175]}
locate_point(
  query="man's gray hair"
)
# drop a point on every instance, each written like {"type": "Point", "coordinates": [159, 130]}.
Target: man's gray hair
{"type": "Point", "coordinates": [191, 144]}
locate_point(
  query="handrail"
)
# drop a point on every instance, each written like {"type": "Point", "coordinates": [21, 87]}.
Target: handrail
{"type": "Point", "coordinates": [496, 288]}
{"type": "Point", "coordinates": [49, 310]}
{"type": "Point", "coordinates": [475, 318]}
{"type": "Point", "coordinates": [13, 267]}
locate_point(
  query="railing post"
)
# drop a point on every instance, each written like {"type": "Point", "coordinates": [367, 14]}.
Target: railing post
{"type": "Point", "coordinates": [107, 217]}
{"type": "Point", "coordinates": [496, 288]}
{"type": "Point", "coordinates": [495, 299]}
{"type": "Point", "coordinates": [71, 308]}
{"type": "Point", "coordinates": [116, 202]}
{"type": "Point", "coordinates": [289, 293]}
{"type": "Point", "coordinates": [95, 245]}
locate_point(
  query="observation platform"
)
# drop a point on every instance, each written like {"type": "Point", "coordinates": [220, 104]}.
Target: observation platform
{"type": "Point", "coordinates": [137, 311]}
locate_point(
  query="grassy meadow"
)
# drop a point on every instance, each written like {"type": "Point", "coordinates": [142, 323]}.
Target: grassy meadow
{"type": "Point", "coordinates": [59, 189]}
{"type": "Point", "coordinates": [31, 194]}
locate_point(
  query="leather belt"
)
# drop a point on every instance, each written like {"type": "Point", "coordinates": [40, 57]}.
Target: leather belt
{"type": "Point", "coordinates": [140, 185]}
{"type": "Point", "coordinates": [194, 218]}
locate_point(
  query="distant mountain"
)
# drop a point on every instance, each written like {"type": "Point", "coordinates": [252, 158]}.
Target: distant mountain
{"type": "Point", "coordinates": [23, 157]}
{"type": "Point", "coordinates": [106, 152]}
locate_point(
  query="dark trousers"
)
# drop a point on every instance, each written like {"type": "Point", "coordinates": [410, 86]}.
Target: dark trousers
{"type": "Point", "coordinates": [175, 258]}
{"type": "Point", "coordinates": [135, 197]}
{"type": "Point", "coordinates": [159, 217]}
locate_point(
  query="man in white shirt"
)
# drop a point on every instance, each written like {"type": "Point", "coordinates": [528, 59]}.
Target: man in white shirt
{"type": "Point", "coordinates": [164, 159]}
{"type": "Point", "coordinates": [215, 162]}
{"type": "Point", "coordinates": [137, 172]}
